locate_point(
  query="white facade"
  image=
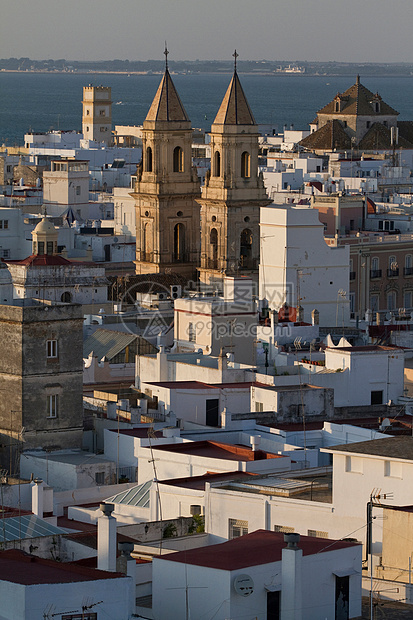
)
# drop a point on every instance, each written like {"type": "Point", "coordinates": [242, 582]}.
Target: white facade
{"type": "Point", "coordinates": [111, 597]}
{"type": "Point", "coordinates": [15, 233]}
{"type": "Point", "coordinates": [306, 583]}
{"type": "Point", "coordinates": [67, 184]}
{"type": "Point", "coordinates": [360, 375]}
{"type": "Point", "coordinates": [124, 212]}
{"type": "Point", "coordinates": [296, 262]}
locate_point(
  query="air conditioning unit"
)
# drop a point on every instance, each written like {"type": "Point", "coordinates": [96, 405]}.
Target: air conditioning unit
{"type": "Point", "coordinates": [176, 291]}
{"type": "Point", "coordinates": [162, 296]}
{"type": "Point", "coordinates": [195, 509]}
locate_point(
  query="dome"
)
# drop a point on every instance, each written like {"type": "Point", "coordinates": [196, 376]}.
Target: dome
{"type": "Point", "coordinates": [44, 225]}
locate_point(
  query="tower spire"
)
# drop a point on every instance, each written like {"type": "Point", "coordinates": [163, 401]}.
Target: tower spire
{"type": "Point", "coordinates": [235, 55]}
{"type": "Point", "coordinates": [166, 57]}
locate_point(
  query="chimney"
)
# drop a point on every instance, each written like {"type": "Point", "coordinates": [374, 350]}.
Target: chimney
{"type": "Point", "coordinates": [315, 317]}
{"type": "Point", "coordinates": [107, 539]}
{"type": "Point", "coordinates": [291, 588]}
{"type": "Point", "coordinates": [255, 441]}
{"type": "Point", "coordinates": [127, 565]}
{"type": "Point", "coordinates": [37, 497]}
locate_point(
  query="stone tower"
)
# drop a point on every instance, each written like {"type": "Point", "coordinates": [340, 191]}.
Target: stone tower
{"type": "Point", "coordinates": [233, 193]}
{"type": "Point", "coordinates": [44, 238]}
{"type": "Point", "coordinates": [97, 113]}
{"type": "Point", "coordinates": [167, 214]}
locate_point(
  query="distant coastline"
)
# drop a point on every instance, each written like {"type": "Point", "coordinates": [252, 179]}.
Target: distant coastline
{"type": "Point", "coordinates": [213, 67]}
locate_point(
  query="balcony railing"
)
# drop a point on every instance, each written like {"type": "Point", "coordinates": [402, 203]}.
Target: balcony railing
{"type": "Point", "coordinates": [375, 273]}
{"type": "Point", "coordinates": [393, 273]}
{"type": "Point", "coordinates": [408, 271]}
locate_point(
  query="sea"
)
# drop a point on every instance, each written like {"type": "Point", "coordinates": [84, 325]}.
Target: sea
{"type": "Point", "coordinates": [40, 102]}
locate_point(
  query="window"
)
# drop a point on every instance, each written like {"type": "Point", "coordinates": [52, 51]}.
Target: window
{"type": "Point", "coordinates": [391, 300]}
{"type": "Point", "coordinates": [376, 397]}
{"type": "Point", "coordinates": [87, 112]}
{"type": "Point", "coordinates": [178, 159]}
{"type": "Point", "coordinates": [191, 332]}
{"type": "Point", "coordinates": [217, 164]}
{"type": "Point", "coordinates": [9, 168]}
{"type": "Point", "coordinates": [179, 242]}
{"type": "Point", "coordinates": [4, 224]}
{"type": "Point", "coordinates": [51, 407]}
{"type": "Point", "coordinates": [284, 529]}
{"type": "Point", "coordinates": [367, 124]}
{"type": "Point", "coordinates": [102, 129]}
{"type": "Point", "coordinates": [317, 533]}
{"type": "Point", "coordinates": [393, 469]}
{"type": "Point", "coordinates": [374, 303]}
{"type": "Point", "coordinates": [148, 159]}
{"type": "Point", "coordinates": [5, 253]}
{"type": "Point", "coordinates": [352, 299]}
{"type": "Point", "coordinates": [237, 528]}
{"type": "Point", "coordinates": [77, 190]}
{"type": "Point", "coordinates": [245, 165]}
{"type": "Point", "coordinates": [407, 299]}
{"type": "Point", "coordinates": [51, 348]}
{"type": "Point", "coordinates": [49, 247]}
{"type": "Point", "coordinates": [40, 247]}
{"type": "Point", "coordinates": [392, 262]}
{"type": "Point", "coordinates": [100, 478]}
{"type": "Point", "coordinates": [345, 124]}
{"type": "Point", "coordinates": [259, 406]}
{"type": "Point", "coordinates": [102, 113]}
{"type": "Point", "coordinates": [354, 464]}
{"type": "Point", "coordinates": [408, 261]}
{"type": "Point", "coordinates": [374, 264]}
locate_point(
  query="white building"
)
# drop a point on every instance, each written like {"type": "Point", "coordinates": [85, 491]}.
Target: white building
{"type": "Point", "coordinates": [259, 575]}
{"type": "Point", "coordinates": [32, 588]}
{"type": "Point", "coordinates": [299, 268]}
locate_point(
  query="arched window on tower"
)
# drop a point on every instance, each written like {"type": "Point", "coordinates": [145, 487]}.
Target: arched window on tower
{"type": "Point", "coordinates": [246, 249]}
{"type": "Point", "coordinates": [179, 243]}
{"type": "Point", "coordinates": [213, 241]}
{"type": "Point", "coordinates": [148, 164]}
{"type": "Point", "coordinates": [245, 165]}
{"type": "Point", "coordinates": [66, 297]}
{"type": "Point", "coordinates": [217, 164]}
{"type": "Point", "coordinates": [178, 159]}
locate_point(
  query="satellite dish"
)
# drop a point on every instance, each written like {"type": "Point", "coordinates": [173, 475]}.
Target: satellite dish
{"type": "Point", "coordinates": [243, 585]}
{"type": "Point", "coordinates": [385, 424]}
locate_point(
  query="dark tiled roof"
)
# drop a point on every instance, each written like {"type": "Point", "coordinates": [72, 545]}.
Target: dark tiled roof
{"type": "Point", "coordinates": [400, 447]}
{"type": "Point", "coordinates": [357, 100]}
{"type": "Point", "coordinates": [167, 105]}
{"type": "Point", "coordinates": [378, 137]}
{"type": "Point", "coordinates": [406, 130]}
{"type": "Point", "coordinates": [108, 343]}
{"type": "Point", "coordinates": [260, 547]}
{"type": "Point", "coordinates": [234, 109]}
{"type": "Point", "coordinates": [330, 136]}
{"type": "Point", "coordinates": [126, 288]}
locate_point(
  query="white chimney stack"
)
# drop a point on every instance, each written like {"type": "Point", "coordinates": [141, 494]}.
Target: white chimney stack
{"type": "Point", "coordinates": [37, 498]}
{"type": "Point", "coordinates": [291, 588]}
{"type": "Point", "coordinates": [107, 539]}
{"type": "Point", "coordinates": [255, 441]}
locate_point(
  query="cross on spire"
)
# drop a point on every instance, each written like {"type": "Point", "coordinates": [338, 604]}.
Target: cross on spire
{"type": "Point", "coordinates": [235, 55]}
{"type": "Point", "coordinates": [166, 57]}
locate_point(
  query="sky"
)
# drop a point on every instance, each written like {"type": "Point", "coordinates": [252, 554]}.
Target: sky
{"type": "Point", "coordinates": [314, 30]}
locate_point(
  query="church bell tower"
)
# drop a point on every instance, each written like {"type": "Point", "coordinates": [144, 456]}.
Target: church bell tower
{"type": "Point", "coordinates": [167, 214]}
{"type": "Point", "coordinates": [233, 193]}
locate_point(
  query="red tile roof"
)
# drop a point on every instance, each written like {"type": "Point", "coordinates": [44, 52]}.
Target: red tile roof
{"type": "Point", "coordinates": [19, 567]}
{"type": "Point", "coordinates": [214, 449]}
{"type": "Point", "coordinates": [41, 260]}
{"type": "Point", "coordinates": [260, 547]}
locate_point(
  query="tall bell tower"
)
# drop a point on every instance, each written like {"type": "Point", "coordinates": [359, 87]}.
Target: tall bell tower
{"type": "Point", "coordinates": [97, 113]}
{"type": "Point", "coordinates": [233, 193]}
{"type": "Point", "coordinates": [166, 189]}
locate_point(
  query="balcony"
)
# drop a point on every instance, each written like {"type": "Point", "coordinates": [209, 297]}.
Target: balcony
{"type": "Point", "coordinates": [352, 275]}
{"type": "Point", "coordinates": [408, 271]}
{"type": "Point", "coordinates": [393, 273]}
{"type": "Point", "coordinates": [375, 273]}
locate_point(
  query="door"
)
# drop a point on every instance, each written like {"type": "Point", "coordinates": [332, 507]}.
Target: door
{"type": "Point", "coordinates": [342, 596]}
{"type": "Point", "coordinates": [212, 412]}
{"type": "Point", "coordinates": [273, 605]}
